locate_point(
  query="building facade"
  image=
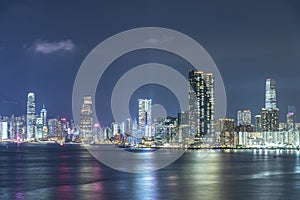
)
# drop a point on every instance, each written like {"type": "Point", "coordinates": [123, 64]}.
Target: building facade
{"type": "Point", "coordinates": [145, 114]}
{"type": "Point", "coordinates": [31, 118]}
{"type": "Point", "coordinates": [201, 104]}
{"type": "Point", "coordinates": [86, 117]}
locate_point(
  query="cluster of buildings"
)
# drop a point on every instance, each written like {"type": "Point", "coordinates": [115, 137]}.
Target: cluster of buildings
{"type": "Point", "coordinates": [265, 131]}
{"type": "Point", "coordinates": [196, 126]}
{"type": "Point", "coordinates": [36, 126]}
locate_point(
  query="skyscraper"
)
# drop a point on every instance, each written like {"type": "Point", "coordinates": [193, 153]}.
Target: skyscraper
{"type": "Point", "coordinates": [201, 103]}
{"type": "Point", "coordinates": [86, 117]}
{"type": "Point", "coordinates": [145, 110]}
{"type": "Point", "coordinates": [270, 114]}
{"type": "Point", "coordinates": [43, 114]}
{"type": "Point", "coordinates": [31, 116]}
{"type": "Point", "coordinates": [270, 101]}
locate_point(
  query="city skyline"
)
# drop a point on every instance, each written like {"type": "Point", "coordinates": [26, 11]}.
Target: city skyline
{"type": "Point", "coordinates": [34, 57]}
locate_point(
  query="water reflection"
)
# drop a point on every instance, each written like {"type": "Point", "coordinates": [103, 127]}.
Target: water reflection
{"type": "Point", "coordinates": [74, 174]}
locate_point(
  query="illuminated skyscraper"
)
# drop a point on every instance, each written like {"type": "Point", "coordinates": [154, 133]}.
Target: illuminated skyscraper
{"type": "Point", "coordinates": [145, 109]}
{"type": "Point", "coordinates": [86, 117]}
{"type": "Point", "coordinates": [270, 114]}
{"type": "Point", "coordinates": [44, 115]}
{"type": "Point", "coordinates": [201, 103]}
{"type": "Point", "coordinates": [44, 122]}
{"type": "Point", "coordinates": [31, 116]}
{"type": "Point", "coordinates": [270, 101]}
{"type": "Point", "coordinates": [39, 127]}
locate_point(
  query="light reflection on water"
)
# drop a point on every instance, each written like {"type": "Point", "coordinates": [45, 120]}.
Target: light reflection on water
{"type": "Point", "coordinates": [72, 173]}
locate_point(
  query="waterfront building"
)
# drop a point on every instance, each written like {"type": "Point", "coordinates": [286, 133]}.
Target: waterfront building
{"type": "Point", "coordinates": [292, 134]}
{"type": "Point", "coordinates": [201, 104]}
{"type": "Point", "coordinates": [115, 128]}
{"type": "Point", "coordinates": [166, 130]}
{"type": "Point", "coordinates": [244, 117]}
{"type": "Point", "coordinates": [86, 118]}
{"type": "Point", "coordinates": [258, 123]}
{"type": "Point", "coordinates": [145, 110]}
{"type": "Point", "coordinates": [270, 120]}
{"type": "Point", "coordinates": [43, 116]}
{"type": "Point", "coordinates": [31, 119]}
{"type": "Point", "coordinates": [270, 114]}
{"type": "Point", "coordinates": [39, 127]}
{"type": "Point", "coordinates": [270, 95]}
{"type": "Point", "coordinates": [291, 118]}
{"type": "Point", "coordinates": [3, 130]}
{"type": "Point", "coordinates": [225, 132]}
{"type": "Point", "coordinates": [53, 128]}
{"type": "Point", "coordinates": [184, 128]}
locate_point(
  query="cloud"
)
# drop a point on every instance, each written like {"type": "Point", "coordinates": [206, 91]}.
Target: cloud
{"type": "Point", "coordinates": [46, 47]}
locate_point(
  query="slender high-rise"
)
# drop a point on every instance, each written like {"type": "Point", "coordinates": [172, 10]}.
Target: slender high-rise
{"type": "Point", "coordinates": [270, 101]}
{"type": "Point", "coordinates": [86, 117]}
{"type": "Point", "coordinates": [201, 103]}
{"type": "Point", "coordinates": [43, 114]}
{"type": "Point", "coordinates": [270, 114]}
{"type": "Point", "coordinates": [145, 110]}
{"type": "Point", "coordinates": [30, 116]}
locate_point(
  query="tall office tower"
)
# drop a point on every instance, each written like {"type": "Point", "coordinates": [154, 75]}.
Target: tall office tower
{"type": "Point", "coordinates": [201, 103]}
{"type": "Point", "coordinates": [86, 117]}
{"type": "Point", "coordinates": [39, 127]}
{"type": "Point", "coordinates": [30, 116]}
{"type": "Point", "coordinates": [43, 114]}
{"type": "Point", "coordinates": [270, 101]}
{"type": "Point", "coordinates": [210, 83]}
{"type": "Point", "coordinates": [291, 118]}
{"type": "Point", "coordinates": [258, 123]}
{"type": "Point", "coordinates": [145, 109]}
{"type": "Point", "coordinates": [244, 117]}
{"type": "Point", "coordinates": [270, 114]}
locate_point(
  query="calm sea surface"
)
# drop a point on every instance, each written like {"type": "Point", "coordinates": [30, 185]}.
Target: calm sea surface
{"type": "Point", "coordinates": [70, 172]}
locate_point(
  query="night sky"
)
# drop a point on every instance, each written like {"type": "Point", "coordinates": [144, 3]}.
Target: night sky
{"type": "Point", "coordinates": [43, 43]}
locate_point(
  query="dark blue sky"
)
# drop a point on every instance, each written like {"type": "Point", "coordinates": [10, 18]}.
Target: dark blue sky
{"type": "Point", "coordinates": [43, 43]}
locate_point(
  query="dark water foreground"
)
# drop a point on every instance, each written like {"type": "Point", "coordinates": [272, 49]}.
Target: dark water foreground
{"type": "Point", "coordinates": [70, 172]}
